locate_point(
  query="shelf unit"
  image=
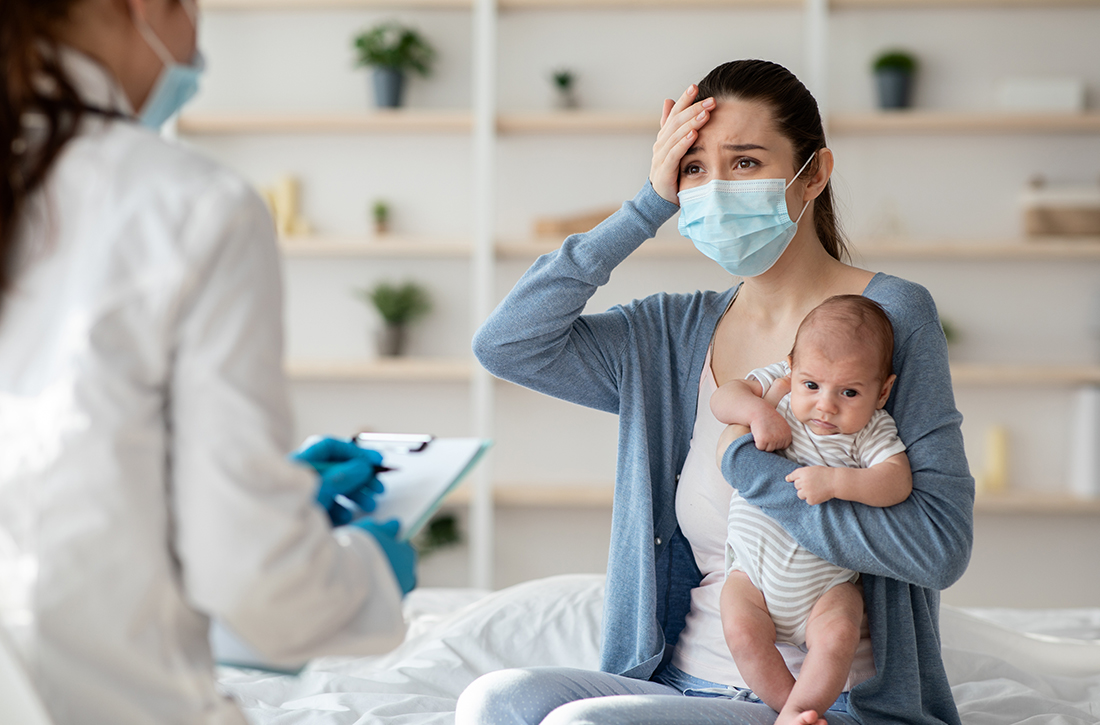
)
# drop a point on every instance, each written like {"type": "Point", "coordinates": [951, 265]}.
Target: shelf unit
{"type": "Point", "coordinates": [378, 121]}
{"type": "Point", "coordinates": [484, 122]}
{"type": "Point", "coordinates": [377, 247]}
{"type": "Point", "coordinates": [1035, 249]}
{"type": "Point", "coordinates": [597, 495]}
{"type": "Point", "coordinates": [622, 122]}
{"type": "Point", "coordinates": [386, 370]}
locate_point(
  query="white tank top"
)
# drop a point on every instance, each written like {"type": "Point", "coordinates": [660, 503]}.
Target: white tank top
{"type": "Point", "coordinates": [702, 509]}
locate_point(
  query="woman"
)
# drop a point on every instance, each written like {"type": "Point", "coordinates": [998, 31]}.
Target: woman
{"type": "Point", "coordinates": [144, 480]}
{"type": "Point", "coordinates": [655, 361]}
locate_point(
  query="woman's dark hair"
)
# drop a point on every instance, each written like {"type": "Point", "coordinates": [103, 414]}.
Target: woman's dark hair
{"type": "Point", "coordinates": [796, 116]}
{"type": "Point", "coordinates": [40, 110]}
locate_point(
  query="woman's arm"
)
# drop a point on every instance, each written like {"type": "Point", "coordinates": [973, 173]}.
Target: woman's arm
{"type": "Point", "coordinates": [883, 484]}
{"type": "Point", "coordinates": [537, 336]}
{"type": "Point", "coordinates": [924, 540]}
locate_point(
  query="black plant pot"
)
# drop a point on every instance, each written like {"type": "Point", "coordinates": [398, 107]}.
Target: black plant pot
{"type": "Point", "coordinates": [391, 340]}
{"type": "Point", "coordinates": [389, 86]}
{"type": "Point", "coordinates": [895, 88]}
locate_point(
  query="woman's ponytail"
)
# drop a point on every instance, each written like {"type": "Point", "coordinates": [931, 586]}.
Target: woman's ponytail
{"type": "Point", "coordinates": [39, 110]}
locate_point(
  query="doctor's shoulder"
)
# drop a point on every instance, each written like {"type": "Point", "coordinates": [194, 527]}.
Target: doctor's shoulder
{"type": "Point", "coordinates": [185, 188]}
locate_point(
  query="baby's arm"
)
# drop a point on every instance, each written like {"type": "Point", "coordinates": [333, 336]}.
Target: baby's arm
{"type": "Point", "coordinates": [742, 403]}
{"type": "Point", "coordinates": [883, 484]}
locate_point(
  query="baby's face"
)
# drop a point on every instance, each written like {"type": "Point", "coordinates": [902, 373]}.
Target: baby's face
{"type": "Point", "coordinates": [836, 393]}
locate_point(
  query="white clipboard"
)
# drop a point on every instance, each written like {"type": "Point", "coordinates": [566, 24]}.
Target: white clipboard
{"type": "Point", "coordinates": [423, 470]}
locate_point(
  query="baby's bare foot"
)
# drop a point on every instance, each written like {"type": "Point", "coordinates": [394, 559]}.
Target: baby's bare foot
{"type": "Point", "coordinates": [806, 717]}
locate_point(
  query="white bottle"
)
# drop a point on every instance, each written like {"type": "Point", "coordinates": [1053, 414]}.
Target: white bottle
{"type": "Point", "coordinates": [1084, 449]}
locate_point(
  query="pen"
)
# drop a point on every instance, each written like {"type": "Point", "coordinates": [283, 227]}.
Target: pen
{"type": "Point", "coordinates": [323, 466]}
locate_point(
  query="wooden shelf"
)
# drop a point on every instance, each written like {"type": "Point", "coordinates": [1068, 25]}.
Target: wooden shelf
{"type": "Point", "coordinates": [1037, 248]}
{"type": "Point", "coordinates": [520, 122]}
{"type": "Point", "coordinates": [659, 249]}
{"type": "Point", "coordinates": [1035, 502]}
{"type": "Point", "coordinates": [955, 122]}
{"type": "Point", "coordinates": [376, 121]}
{"type": "Point", "coordinates": [516, 495]}
{"type": "Point", "coordinates": [942, 4]}
{"type": "Point", "coordinates": [333, 4]}
{"type": "Point", "coordinates": [406, 370]}
{"type": "Point", "coordinates": [569, 122]}
{"type": "Point", "coordinates": [373, 247]}
{"type": "Point", "coordinates": [644, 4]}
{"type": "Point", "coordinates": [600, 495]}
{"type": "Point", "coordinates": [1035, 375]}
{"type": "Point", "coordinates": [628, 4]}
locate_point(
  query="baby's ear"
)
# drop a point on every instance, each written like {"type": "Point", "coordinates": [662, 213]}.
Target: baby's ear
{"type": "Point", "coordinates": [886, 388]}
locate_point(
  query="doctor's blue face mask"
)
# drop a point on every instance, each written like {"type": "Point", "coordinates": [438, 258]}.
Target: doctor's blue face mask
{"type": "Point", "coordinates": [741, 224]}
{"type": "Point", "coordinates": [177, 83]}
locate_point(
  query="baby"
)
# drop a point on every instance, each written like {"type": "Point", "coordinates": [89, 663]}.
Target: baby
{"type": "Point", "coordinates": [821, 408]}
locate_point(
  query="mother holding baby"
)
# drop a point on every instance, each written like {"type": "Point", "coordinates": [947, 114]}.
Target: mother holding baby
{"type": "Point", "coordinates": [737, 152]}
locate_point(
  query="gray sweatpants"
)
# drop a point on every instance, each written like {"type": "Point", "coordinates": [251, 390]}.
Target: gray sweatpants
{"type": "Point", "coordinates": [568, 696]}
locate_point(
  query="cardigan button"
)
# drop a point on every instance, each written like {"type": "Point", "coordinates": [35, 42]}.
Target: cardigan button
{"type": "Point", "coordinates": [657, 541]}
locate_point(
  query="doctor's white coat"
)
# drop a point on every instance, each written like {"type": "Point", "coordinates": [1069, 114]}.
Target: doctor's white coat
{"type": "Point", "coordinates": [144, 432]}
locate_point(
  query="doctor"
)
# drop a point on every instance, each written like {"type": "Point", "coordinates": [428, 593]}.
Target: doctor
{"type": "Point", "coordinates": [144, 424]}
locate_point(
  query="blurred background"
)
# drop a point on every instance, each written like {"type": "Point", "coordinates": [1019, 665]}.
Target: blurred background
{"type": "Point", "coordinates": [967, 138]}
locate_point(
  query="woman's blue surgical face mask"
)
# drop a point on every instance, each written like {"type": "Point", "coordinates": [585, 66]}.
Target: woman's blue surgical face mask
{"type": "Point", "coordinates": [177, 83]}
{"type": "Point", "coordinates": [743, 225]}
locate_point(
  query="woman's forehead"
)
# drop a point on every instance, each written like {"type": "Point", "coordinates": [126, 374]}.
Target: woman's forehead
{"type": "Point", "coordinates": [735, 122]}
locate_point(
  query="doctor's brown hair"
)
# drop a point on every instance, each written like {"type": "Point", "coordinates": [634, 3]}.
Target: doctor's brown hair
{"type": "Point", "coordinates": [797, 118]}
{"type": "Point", "coordinates": [37, 98]}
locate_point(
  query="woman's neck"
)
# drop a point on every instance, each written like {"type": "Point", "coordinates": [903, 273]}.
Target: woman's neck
{"type": "Point", "coordinates": [799, 281]}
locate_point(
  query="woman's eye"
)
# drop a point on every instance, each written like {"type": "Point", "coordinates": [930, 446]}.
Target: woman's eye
{"type": "Point", "coordinates": [691, 169]}
{"type": "Point", "coordinates": [745, 164]}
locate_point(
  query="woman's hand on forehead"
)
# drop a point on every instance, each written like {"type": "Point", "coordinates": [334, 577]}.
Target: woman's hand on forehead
{"type": "Point", "coordinates": [680, 124]}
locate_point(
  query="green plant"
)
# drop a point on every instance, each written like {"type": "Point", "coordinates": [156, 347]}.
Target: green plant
{"type": "Point", "coordinates": [441, 532]}
{"type": "Point", "coordinates": [380, 212]}
{"type": "Point", "coordinates": [950, 332]}
{"type": "Point", "coordinates": [563, 80]}
{"type": "Point", "coordinates": [398, 304]}
{"type": "Point", "coordinates": [391, 45]}
{"type": "Point", "coordinates": [895, 60]}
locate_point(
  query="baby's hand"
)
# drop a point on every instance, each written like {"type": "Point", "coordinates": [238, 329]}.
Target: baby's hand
{"type": "Point", "coordinates": [813, 483]}
{"type": "Point", "coordinates": [771, 432]}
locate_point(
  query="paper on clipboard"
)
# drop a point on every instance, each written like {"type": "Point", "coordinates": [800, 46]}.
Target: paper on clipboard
{"type": "Point", "coordinates": [425, 470]}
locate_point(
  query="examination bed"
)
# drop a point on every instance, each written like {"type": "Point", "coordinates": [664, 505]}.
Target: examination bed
{"type": "Point", "coordinates": [1005, 666]}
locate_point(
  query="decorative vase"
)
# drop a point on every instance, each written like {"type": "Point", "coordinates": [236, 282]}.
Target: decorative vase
{"type": "Point", "coordinates": [566, 99]}
{"type": "Point", "coordinates": [894, 88]}
{"type": "Point", "coordinates": [391, 340]}
{"type": "Point", "coordinates": [389, 85]}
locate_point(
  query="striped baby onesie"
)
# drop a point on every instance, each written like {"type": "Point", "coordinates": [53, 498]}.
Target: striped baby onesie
{"type": "Point", "coordinates": [790, 577]}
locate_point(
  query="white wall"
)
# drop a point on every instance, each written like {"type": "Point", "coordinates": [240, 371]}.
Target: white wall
{"type": "Point", "coordinates": [918, 187]}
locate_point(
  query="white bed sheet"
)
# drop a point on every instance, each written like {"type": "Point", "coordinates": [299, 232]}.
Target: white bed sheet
{"type": "Point", "coordinates": [1006, 666]}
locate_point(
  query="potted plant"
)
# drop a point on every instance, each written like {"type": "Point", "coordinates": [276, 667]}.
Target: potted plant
{"type": "Point", "coordinates": [380, 213]}
{"type": "Point", "coordinates": [398, 305]}
{"type": "Point", "coordinates": [894, 71]}
{"type": "Point", "coordinates": [565, 87]}
{"type": "Point", "coordinates": [392, 49]}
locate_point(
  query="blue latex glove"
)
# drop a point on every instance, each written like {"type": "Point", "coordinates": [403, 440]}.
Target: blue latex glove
{"type": "Point", "coordinates": [349, 480]}
{"type": "Point", "coordinates": [401, 555]}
